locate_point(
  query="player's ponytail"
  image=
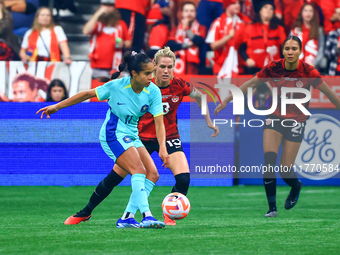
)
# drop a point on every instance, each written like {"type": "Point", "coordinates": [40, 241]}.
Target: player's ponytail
{"type": "Point", "coordinates": [135, 61]}
{"type": "Point", "coordinates": [132, 61]}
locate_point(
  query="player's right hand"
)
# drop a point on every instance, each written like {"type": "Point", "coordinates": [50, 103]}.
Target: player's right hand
{"type": "Point", "coordinates": [48, 110]}
{"type": "Point", "coordinates": [165, 157]}
{"type": "Point", "coordinates": [219, 108]}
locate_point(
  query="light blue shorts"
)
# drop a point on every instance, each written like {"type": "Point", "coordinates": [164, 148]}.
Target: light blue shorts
{"type": "Point", "coordinates": [117, 147]}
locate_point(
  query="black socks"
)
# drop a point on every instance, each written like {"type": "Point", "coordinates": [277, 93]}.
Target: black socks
{"type": "Point", "coordinates": [182, 183]}
{"type": "Point", "coordinates": [269, 179]}
{"type": "Point", "coordinates": [103, 189]}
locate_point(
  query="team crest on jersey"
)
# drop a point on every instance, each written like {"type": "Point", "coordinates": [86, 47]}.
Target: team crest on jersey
{"type": "Point", "coordinates": [127, 139]}
{"type": "Point", "coordinates": [299, 84]}
{"type": "Point", "coordinates": [175, 99]}
{"type": "Point", "coordinates": [268, 121]}
{"type": "Point", "coordinates": [144, 108]}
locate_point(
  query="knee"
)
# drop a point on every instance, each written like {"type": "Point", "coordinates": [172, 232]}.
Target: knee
{"type": "Point", "coordinates": [138, 169]}
{"type": "Point", "coordinates": [152, 174]}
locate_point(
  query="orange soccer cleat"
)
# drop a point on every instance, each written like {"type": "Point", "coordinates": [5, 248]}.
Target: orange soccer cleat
{"type": "Point", "coordinates": [168, 221]}
{"type": "Point", "coordinates": [77, 218]}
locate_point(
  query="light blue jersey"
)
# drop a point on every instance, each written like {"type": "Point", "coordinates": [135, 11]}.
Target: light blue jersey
{"type": "Point", "coordinates": [126, 107]}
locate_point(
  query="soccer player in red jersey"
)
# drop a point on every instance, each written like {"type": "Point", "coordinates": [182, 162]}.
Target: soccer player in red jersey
{"type": "Point", "coordinates": [173, 89]}
{"type": "Point", "coordinates": [287, 72]}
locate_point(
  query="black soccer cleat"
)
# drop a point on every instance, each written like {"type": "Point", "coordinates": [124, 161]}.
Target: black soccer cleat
{"type": "Point", "coordinates": [293, 197]}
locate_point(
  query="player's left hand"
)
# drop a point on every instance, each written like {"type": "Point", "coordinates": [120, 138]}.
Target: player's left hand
{"type": "Point", "coordinates": [48, 110]}
{"type": "Point", "coordinates": [215, 128]}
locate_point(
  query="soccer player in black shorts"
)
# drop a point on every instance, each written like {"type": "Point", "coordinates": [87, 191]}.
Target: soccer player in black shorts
{"type": "Point", "coordinates": [173, 90]}
{"type": "Point", "coordinates": [287, 129]}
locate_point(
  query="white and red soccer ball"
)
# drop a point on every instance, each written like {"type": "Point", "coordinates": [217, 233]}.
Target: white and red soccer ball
{"type": "Point", "coordinates": [176, 206]}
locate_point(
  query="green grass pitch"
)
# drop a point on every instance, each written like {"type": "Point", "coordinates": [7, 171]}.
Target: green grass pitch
{"type": "Point", "coordinates": [223, 220]}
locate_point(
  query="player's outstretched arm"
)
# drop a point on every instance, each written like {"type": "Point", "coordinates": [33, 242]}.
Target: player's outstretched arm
{"type": "Point", "coordinates": [252, 83]}
{"type": "Point", "coordinates": [330, 94]}
{"type": "Point", "coordinates": [161, 138]}
{"type": "Point", "coordinates": [80, 97]}
{"type": "Point", "coordinates": [198, 98]}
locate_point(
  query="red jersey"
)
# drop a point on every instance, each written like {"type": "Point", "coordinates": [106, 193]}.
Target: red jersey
{"type": "Point", "coordinates": [172, 96]}
{"type": "Point", "coordinates": [158, 37]}
{"type": "Point", "coordinates": [103, 52]}
{"type": "Point", "coordinates": [303, 77]}
{"type": "Point", "coordinates": [263, 43]}
{"type": "Point", "coordinates": [328, 9]}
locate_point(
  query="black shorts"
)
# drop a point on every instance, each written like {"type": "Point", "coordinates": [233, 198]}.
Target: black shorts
{"type": "Point", "coordinates": [171, 145]}
{"type": "Point", "coordinates": [291, 130]}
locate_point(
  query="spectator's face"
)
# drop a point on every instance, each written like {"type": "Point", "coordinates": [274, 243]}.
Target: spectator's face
{"type": "Point", "coordinates": [233, 9]}
{"type": "Point", "coordinates": [307, 13]}
{"type": "Point", "coordinates": [189, 12]}
{"type": "Point", "coordinates": [164, 69]}
{"type": "Point", "coordinates": [23, 93]}
{"type": "Point", "coordinates": [44, 17]}
{"type": "Point", "coordinates": [57, 93]}
{"type": "Point", "coordinates": [291, 51]}
{"type": "Point", "coordinates": [267, 12]}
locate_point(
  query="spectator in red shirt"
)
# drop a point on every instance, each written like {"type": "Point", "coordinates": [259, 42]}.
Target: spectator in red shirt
{"type": "Point", "coordinates": [224, 36]}
{"type": "Point", "coordinates": [159, 31]}
{"type": "Point", "coordinates": [109, 36]}
{"type": "Point", "coordinates": [134, 15]}
{"type": "Point", "coordinates": [331, 11]}
{"type": "Point", "coordinates": [185, 40]}
{"type": "Point", "coordinates": [262, 40]}
{"type": "Point", "coordinates": [307, 28]}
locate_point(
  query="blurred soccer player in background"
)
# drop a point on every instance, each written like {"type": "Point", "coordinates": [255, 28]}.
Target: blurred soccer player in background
{"type": "Point", "coordinates": [294, 73]}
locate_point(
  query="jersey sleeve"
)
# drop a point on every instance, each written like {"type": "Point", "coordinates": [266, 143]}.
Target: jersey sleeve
{"type": "Point", "coordinates": [24, 43]}
{"type": "Point", "coordinates": [316, 78]}
{"type": "Point", "coordinates": [212, 31]}
{"type": "Point", "coordinates": [103, 92]}
{"type": "Point", "coordinates": [156, 106]}
{"type": "Point", "coordinates": [172, 35]}
{"type": "Point", "coordinates": [264, 74]}
{"type": "Point", "coordinates": [61, 36]}
{"type": "Point", "coordinates": [187, 88]}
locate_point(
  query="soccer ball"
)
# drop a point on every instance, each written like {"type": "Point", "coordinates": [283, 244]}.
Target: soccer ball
{"type": "Point", "coordinates": [176, 206]}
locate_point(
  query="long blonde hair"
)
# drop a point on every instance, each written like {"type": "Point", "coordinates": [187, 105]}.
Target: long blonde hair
{"type": "Point", "coordinates": [36, 25]}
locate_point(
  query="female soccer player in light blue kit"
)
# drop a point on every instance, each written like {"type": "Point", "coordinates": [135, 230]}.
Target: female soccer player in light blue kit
{"type": "Point", "coordinates": [129, 98]}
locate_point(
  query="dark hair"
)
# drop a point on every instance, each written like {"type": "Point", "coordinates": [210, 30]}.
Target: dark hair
{"type": "Point", "coordinates": [314, 23]}
{"type": "Point", "coordinates": [188, 2]}
{"type": "Point", "coordinates": [132, 61]}
{"type": "Point", "coordinates": [34, 82]}
{"type": "Point", "coordinates": [55, 83]}
{"type": "Point", "coordinates": [292, 37]}
{"type": "Point", "coordinates": [273, 23]}
{"type": "Point", "coordinates": [110, 18]}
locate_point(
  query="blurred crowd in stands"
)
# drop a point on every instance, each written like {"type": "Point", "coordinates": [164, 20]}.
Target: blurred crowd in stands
{"type": "Point", "coordinates": [218, 37]}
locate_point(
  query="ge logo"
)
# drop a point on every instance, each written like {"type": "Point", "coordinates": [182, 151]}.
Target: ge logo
{"type": "Point", "coordinates": [320, 147]}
